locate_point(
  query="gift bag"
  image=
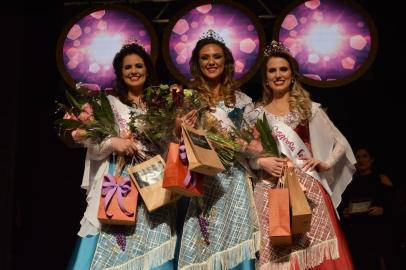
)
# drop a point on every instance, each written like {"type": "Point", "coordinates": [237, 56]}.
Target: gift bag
{"type": "Point", "coordinates": [148, 178]}
{"type": "Point", "coordinates": [118, 201]}
{"type": "Point", "coordinates": [201, 156]}
{"type": "Point", "coordinates": [279, 215]}
{"type": "Point", "coordinates": [177, 176]}
{"type": "Point", "coordinates": [300, 209]}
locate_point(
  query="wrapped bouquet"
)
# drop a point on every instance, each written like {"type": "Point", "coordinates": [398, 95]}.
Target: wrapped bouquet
{"type": "Point", "coordinates": [245, 141]}
{"type": "Point", "coordinates": [88, 119]}
{"type": "Point", "coordinates": [258, 140]}
{"type": "Point", "coordinates": [164, 104]}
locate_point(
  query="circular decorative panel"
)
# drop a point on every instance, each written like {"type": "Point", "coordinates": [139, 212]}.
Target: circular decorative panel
{"type": "Point", "coordinates": [334, 42]}
{"type": "Point", "coordinates": [239, 28]}
{"type": "Point", "coordinates": [88, 44]}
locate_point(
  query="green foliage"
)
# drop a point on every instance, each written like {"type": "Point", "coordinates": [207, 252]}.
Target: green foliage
{"type": "Point", "coordinates": [99, 120]}
{"type": "Point", "coordinates": [164, 104]}
{"type": "Point", "coordinates": [268, 141]}
{"type": "Point", "coordinates": [226, 148]}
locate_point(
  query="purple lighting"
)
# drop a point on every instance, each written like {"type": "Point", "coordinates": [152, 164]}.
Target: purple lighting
{"type": "Point", "coordinates": [239, 31]}
{"type": "Point", "coordinates": [89, 45]}
{"type": "Point", "coordinates": [331, 40]}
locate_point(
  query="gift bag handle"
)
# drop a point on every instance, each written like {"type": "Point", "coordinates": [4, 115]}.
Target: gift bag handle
{"type": "Point", "coordinates": [120, 164]}
{"type": "Point", "coordinates": [282, 179]}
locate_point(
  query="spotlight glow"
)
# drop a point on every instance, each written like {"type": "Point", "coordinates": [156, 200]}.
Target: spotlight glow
{"type": "Point", "coordinates": [324, 39]}
{"type": "Point", "coordinates": [104, 47]}
{"type": "Point", "coordinates": [239, 31]}
{"type": "Point", "coordinates": [87, 46]}
{"type": "Point", "coordinates": [334, 41]}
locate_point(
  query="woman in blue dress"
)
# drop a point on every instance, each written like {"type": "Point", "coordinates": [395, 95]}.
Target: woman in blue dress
{"type": "Point", "coordinates": [150, 244]}
{"type": "Point", "coordinates": [221, 229]}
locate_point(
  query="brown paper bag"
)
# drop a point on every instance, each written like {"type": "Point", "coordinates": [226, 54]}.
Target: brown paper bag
{"type": "Point", "coordinates": [148, 178]}
{"type": "Point", "coordinates": [279, 215]}
{"type": "Point", "coordinates": [301, 212]}
{"type": "Point", "coordinates": [201, 155]}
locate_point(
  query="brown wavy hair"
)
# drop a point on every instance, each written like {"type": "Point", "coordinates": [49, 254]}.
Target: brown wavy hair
{"type": "Point", "coordinates": [121, 88]}
{"type": "Point", "coordinates": [228, 84]}
{"type": "Point", "coordinates": [299, 100]}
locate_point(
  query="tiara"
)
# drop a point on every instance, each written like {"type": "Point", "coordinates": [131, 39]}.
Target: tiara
{"type": "Point", "coordinates": [211, 34]}
{"type": "Point", "coordinates": [276, 47]}
{"type": "Point", "coordinates": [130, 41]}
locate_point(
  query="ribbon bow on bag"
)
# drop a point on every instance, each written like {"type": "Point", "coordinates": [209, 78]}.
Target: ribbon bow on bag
{"type": "Point", "coordinates": [190, 179]}
{"type": "Point", "coordinates": [110, 186]}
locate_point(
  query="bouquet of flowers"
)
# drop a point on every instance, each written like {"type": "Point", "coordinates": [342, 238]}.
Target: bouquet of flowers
{"type": "Point", "coordinates": [164, 103]}
{"type": "Point", "coordinates": [225, 143]}
{"type": "Point", "coordinates": [245, 141]}
{"type": "Point", "coordinates": [258, 141]}
{"type": "Point", "coordinates": [88, 118]}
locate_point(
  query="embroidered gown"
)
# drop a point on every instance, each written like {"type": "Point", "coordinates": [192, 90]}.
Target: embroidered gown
{"type": "Point", "coordinates": [324, 246]}
{"type": "Point", "coordinates": [227, 202]}
{"type": "Point", "coordinates": [150, 244]}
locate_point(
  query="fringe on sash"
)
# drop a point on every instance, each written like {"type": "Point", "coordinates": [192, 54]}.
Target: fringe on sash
{"type": "Point", "coordinates": [231, 257]}
{"type": "Point", "coordinates": [306, 258]}
{"type": "Point", "coordinates": [151, 259]}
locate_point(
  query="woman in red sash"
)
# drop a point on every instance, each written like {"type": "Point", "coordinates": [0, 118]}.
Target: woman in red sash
{"type": "Point", "coordinates": [324, 164]}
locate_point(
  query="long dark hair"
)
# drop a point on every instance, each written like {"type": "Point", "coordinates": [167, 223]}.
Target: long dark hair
{"type": "Point", "coordinates": [228, 84]}
{"type": "Point", "coordinates": [121, 87]}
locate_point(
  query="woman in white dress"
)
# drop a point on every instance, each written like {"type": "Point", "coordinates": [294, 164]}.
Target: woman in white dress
{"type": "Point", "coordinates": [150, 244]}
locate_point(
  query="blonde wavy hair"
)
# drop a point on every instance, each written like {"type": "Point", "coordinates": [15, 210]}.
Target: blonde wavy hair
{"type": "Point", "coordinates": [299, 99]}
{"type": "Point", "coordinates": [228, 84]}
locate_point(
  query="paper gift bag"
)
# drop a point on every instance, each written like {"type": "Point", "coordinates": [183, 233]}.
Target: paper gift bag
{"type": "Point", "coordinates": [300, 209]}
{"type": "Point", "coordinates": [279, 216]}
{"type": "Point", "coordinates": [118, 202]}
{"type": "Point", "coordinates": [177, 176]}
{"type": "Point", "coordinates": [148, 178]}
{"type": "Point", "coordinates": [201, 155]}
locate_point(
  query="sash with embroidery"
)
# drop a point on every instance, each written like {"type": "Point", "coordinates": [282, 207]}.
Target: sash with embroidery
{"type": "Point", "coordinates": [291, 145]}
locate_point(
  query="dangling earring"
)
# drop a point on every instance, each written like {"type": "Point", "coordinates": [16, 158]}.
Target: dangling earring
{"type": "Point", "coordinates": [292, 83]}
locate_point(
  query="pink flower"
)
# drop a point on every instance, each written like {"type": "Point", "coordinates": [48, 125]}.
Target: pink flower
{"type": "Point", "coordinates": [87, 108]}
{"type": "Point", "coordinates": [86, 115]}
{"type": "Point", "coordinates": [255, 133]}
{"type": "Point", "coordinates": [90, 86]}
{"type": "Point", "coordinates": [69, 116]}
{"type": "Point", "coordinates": [255, 146]}
{"type": "Point", "coordinates": [243, 144]}
{"type": "Point", "coordinates": [79, 135]}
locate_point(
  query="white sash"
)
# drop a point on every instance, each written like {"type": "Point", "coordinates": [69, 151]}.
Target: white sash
{"type": "Point", "coordinates": [223, 118]}
{"type": "Point", "coordinates": [291, 145]}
